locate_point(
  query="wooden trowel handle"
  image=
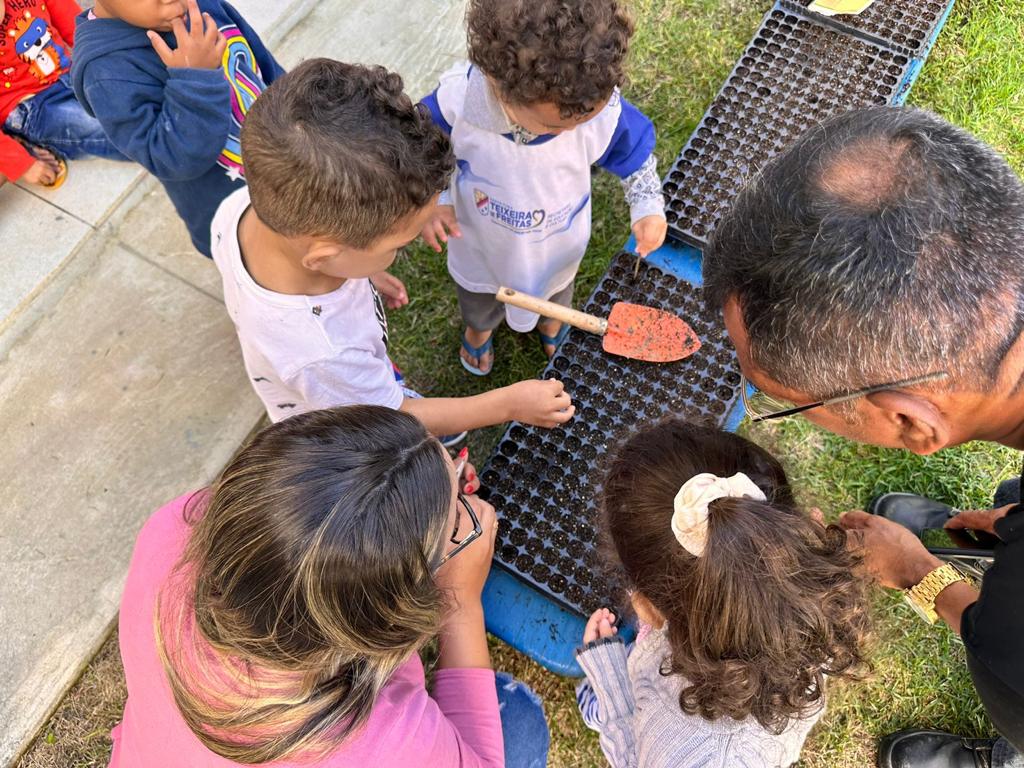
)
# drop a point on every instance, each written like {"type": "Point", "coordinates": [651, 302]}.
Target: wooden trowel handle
{"type": "Point", "coordinates": [573, 317]}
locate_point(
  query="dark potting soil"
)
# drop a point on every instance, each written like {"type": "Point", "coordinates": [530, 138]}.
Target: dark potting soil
{"type": "Point", "coordinates": [544, 483]}
{"type": "Point", "coordinates": [794, 74]}
{"type": "Point", "coordinates": [904, 25]}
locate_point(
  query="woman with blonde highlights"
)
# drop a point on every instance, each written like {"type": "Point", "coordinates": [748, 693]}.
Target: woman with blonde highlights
{"type": "Point", "coordinates": [277, 618]}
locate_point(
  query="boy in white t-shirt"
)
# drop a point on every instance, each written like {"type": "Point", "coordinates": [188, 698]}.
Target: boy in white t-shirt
{"type": "Point", "coordinates": [535, 107]}
{"type": "Point", "coordinates": [342, 170]}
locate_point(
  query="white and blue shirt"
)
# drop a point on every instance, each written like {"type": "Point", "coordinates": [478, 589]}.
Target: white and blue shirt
{"type": "Point", "coordinates": [524, 202]}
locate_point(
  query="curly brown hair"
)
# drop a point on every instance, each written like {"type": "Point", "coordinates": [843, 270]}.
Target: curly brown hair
{"type": "Point", "coordinates": [339, 151]}
{"type": "Point", "coordinates": [567, 52]}
{"type": "Point", "coordinates": [776, 602]}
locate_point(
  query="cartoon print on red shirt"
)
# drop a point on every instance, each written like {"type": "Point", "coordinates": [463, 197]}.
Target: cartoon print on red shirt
{"type": "Point", "coordinates": [35, 45]}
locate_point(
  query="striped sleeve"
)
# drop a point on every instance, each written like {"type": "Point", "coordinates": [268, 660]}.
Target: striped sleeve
{"type": "Point", "coordinates": [604, 663]}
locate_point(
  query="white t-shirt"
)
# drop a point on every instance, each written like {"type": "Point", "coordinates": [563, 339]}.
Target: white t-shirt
{"type": "Point", "coordinates": [304, 352]}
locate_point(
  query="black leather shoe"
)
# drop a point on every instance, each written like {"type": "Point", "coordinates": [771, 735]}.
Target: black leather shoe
{"type": "Point", "coordinates": [1008, 492]}
{"type": "Point", "coordinates": [933, 749]}
{"type": "Point", "coordinates": [911, 511]}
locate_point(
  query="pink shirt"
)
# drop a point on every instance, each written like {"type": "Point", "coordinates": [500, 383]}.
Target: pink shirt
{"type": "Point", "coordinates": [458, 725]}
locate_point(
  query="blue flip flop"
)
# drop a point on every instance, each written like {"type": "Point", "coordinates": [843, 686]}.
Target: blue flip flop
{"type": "Point", "coordinates": [554, 341]}
{"type": "Point", "coordinates": [478, 353]}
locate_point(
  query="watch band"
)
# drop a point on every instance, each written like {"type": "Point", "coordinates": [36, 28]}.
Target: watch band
{"type": "Point", "coordinates": [922, 595]}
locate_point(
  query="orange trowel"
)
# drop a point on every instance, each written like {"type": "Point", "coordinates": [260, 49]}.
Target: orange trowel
{"type": "Point", "coordinates": [630, 330]}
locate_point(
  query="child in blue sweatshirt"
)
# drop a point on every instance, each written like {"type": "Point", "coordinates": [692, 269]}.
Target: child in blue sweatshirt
{"type": "Point", "coordinates": [171, 84]}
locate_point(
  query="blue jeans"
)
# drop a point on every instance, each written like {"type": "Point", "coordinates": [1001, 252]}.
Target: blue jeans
{"type": "Point", "coordinates": [54, 119]}
{"type": "Point", "coordinates": [524, 729]}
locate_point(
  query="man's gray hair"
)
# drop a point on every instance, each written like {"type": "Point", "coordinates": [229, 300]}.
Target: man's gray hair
{"type": "Point", "coordinates": [883, 244]}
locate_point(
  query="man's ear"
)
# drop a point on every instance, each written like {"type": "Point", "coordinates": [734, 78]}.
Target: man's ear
{"type": "Point", "coordinates": [920, 425]}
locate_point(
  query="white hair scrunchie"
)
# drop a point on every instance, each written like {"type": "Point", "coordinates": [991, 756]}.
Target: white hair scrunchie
{"type": "Point", "coordinates": [690, 515]}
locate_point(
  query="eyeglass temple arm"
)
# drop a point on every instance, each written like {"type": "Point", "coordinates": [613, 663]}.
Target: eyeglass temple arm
{"type": "Point", "coordinates": [854, 395]}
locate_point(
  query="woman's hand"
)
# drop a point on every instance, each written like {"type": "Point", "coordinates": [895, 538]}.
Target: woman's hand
{"type": "Point", "coordinates": [600, 625]}
{"type": "Point", "coordinates": [464, 575]}
{"type": "Point", "coordinates": [463, 639]}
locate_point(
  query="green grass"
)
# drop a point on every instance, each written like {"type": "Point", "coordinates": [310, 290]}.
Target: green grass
{"type": "Point", "coordinates": [681, 53]}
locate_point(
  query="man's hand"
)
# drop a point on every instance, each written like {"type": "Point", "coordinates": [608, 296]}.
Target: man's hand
{"type": "Point", "coordinates": [650, 234]}
{"type": "Point", "coordinates": [894, 556]}
{"type": "Point", "coordinates": [438, 229]}
{"type": "Point", "coordinates": [391, 289]}
{"type": "Point", "coordinates": [978, 519]}
{"type": "Point", "coordinates": [43, 171]}
{"type": "Point", "coordinates": [201, 46]}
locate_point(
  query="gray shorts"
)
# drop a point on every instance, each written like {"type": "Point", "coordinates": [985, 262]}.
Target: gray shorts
{"type": "Point", "coordinates": [483, 312]}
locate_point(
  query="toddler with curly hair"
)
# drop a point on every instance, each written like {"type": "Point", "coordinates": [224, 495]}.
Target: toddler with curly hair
{"type": "Point", "coordinates": [745, 604]}
{"type": "Point", "coordinates": [535, 107]}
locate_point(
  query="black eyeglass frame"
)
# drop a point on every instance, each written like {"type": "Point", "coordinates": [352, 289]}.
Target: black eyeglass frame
{"type": "Point", "coordinates": [470, 538]}
{"type": "Point", "coordinates": [745, 384]}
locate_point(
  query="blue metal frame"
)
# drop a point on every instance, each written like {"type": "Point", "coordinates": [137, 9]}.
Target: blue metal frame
{"type": "Point", "coordinates": [917, 64]}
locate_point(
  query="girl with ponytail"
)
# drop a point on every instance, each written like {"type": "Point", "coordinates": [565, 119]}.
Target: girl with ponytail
{"type": "Point", "coordinates": [745, 603]}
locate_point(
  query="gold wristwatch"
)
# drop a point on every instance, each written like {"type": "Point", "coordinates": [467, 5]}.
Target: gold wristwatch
{"type": "Point", "coordinates": [922, 595]}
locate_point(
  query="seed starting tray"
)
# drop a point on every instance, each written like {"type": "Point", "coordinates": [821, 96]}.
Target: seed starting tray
{"type": "Point", "coordinates": [907, 26]}
{"type": "Point", "coordinates": [794, 74]}
{"type": "Point", "coordinates": [543, 483]}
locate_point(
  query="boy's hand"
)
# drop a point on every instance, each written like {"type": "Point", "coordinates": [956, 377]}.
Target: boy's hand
{"type": "Point", "coordinates": [599, 626]}
{"type": "Point", "coordinates": [201, 46]}
{"type": "Point", "coordinates": [438, 229]}
{"type": "Point", "coordinates": [650, 234]}
{"type": "Point", "coordinates": [43, 171]}
{"type": "Point", "coordinates": [541, 403]}
{"type": "Point", "coordinates": [391, 289]}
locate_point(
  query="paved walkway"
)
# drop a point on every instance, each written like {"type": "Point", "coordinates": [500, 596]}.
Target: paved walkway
{"type": "Point", "coordinates": [121, 384]}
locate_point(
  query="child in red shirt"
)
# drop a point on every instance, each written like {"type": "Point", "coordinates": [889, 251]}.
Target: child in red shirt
{"type": "Point", "coordinates": [43, 123]}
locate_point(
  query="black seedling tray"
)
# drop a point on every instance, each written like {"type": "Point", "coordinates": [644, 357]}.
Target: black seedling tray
{"type": "Point", "coordinates": [794, 74]}
{"type": "Point", "coordinates": [543, 483]}
{"type": "Point", "coordinates": [906, 26]}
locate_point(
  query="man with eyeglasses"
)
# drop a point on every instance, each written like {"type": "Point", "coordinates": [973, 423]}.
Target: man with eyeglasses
{"type": "Point", "coordinates": [872, 279]}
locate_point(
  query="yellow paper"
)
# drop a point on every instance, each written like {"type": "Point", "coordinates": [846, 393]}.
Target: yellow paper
{"type": "Point", "coordinates": [835, 7]}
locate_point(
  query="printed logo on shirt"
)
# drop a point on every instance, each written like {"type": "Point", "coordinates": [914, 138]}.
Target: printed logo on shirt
{"type": "Point", "coordinates": [34, 44]}
{"type": "Point", "coordinates": [508, 217]}
{"type": "Point", "coordinates": [525, 222]}
{"type": "Point", "coordinates": [243, 75]}
{"type": "Point", "coordinates": [382, 318]}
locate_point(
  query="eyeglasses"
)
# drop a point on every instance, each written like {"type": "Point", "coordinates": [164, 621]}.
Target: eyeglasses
{"type": "Point", "coordinates": [473, 535]}
{"type": "Point", "coordinates": [763, 407]}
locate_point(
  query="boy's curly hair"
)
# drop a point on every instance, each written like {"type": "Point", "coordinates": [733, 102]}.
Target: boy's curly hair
{"type": "Point", "coordinates": [339, 151]}
{"type": "Point", "coordinates": [568, 52]}
{"type": "Point", "coordinates": [776, 603]}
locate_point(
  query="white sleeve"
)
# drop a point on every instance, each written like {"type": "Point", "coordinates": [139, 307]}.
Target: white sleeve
{"type": "Point", "coordinates": [354, 377]}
